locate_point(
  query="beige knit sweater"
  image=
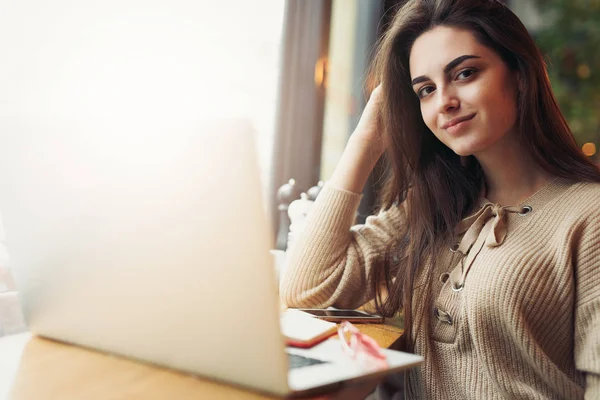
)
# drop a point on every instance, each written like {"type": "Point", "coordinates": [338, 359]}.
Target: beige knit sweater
{"type": "Point", "coordinates": [523, 320]}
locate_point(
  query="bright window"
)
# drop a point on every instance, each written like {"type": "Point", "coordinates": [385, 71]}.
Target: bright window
{"type": "Point", "coordinates": [143, 63]}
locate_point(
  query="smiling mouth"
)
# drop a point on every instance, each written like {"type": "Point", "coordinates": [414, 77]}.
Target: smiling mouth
{"type": "Point", "coordinates": [457, 121]}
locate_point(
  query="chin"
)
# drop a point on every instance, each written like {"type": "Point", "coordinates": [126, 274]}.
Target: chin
{"type": "Point", "coordinates": [465, 149]}
{"type": "Point", "coordinates": [463, 152]}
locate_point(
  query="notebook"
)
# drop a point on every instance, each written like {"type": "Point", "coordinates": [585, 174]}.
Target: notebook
{"type": "Point", "coordinates": [303, 330]}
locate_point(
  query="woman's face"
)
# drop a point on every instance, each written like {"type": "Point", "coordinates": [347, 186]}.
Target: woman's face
{"type": "Point", "coordinates": [467, 93]}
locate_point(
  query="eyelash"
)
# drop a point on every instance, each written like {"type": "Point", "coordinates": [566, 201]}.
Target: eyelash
{"type": "Point", "coordinates": [473, 71]}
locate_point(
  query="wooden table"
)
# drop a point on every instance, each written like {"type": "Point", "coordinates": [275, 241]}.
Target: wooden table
{"type": "Point", "coordinates": [32, 368]}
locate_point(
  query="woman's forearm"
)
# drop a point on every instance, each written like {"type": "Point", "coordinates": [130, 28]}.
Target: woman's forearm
{"type": "Point", "coordinates": [355, 165]}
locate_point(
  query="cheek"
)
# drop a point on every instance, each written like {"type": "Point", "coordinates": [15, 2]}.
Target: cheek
{"type": "Point", "coordinates": [429, 116]}
{"type": "Point", "coordinates": [502, 106]}
{"type": "Point", "coordinates": [503, 113]}
{"type": "Point", "coordinates": [429, 113]}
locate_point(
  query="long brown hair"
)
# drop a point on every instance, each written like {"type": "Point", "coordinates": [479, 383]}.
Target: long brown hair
{"type": "Point", "coordinates": [438, 186]}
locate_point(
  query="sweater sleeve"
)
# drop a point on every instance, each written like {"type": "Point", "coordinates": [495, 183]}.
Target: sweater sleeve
{"type": "Point", "coordinates": [330, 262]}
{"type": "Point", "coordinates": [587, 307]}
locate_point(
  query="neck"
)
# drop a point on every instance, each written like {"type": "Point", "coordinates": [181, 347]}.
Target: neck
{"type": "Point", "coordinates": [511, 174]}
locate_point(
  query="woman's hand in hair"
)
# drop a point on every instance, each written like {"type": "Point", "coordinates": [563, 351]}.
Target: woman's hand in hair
{"type": "Point", "coordinates": [368, 129]}
{"type": "Point", "coordinates": [363, 150]}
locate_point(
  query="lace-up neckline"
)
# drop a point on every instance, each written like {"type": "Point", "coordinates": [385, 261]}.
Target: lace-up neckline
{"type": "Point", "coordinates": [475, 226]}
{"type": "Point", "coordinates": [489, 222]}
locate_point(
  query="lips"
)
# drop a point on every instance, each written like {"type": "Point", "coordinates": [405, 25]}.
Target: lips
{"type": "Point", "coordinates": [457, 120]}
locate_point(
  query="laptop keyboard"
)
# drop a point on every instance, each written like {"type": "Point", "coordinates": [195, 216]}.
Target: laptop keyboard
{"type": "Point", "coordinates": [296, 361]}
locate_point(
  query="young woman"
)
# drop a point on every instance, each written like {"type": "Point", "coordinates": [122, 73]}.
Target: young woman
{"type": "Point", "coordinates": [488, 238]}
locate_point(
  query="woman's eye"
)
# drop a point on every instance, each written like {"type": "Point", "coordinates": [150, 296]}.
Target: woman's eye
{"type": "Point", "coordinates": [465, 74]}
{"type": "Point", "coordinates": [424, 91]}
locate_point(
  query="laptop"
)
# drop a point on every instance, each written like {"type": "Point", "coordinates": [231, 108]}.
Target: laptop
{"type": "Point", "coordinates": [155, 246]}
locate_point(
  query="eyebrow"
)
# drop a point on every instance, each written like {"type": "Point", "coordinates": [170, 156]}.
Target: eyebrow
{"type": "Point", "coordinates": [451, 65]}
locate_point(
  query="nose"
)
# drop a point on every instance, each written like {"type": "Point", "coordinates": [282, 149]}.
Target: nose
{"type": "Point", "coordinates": [447, 100]}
